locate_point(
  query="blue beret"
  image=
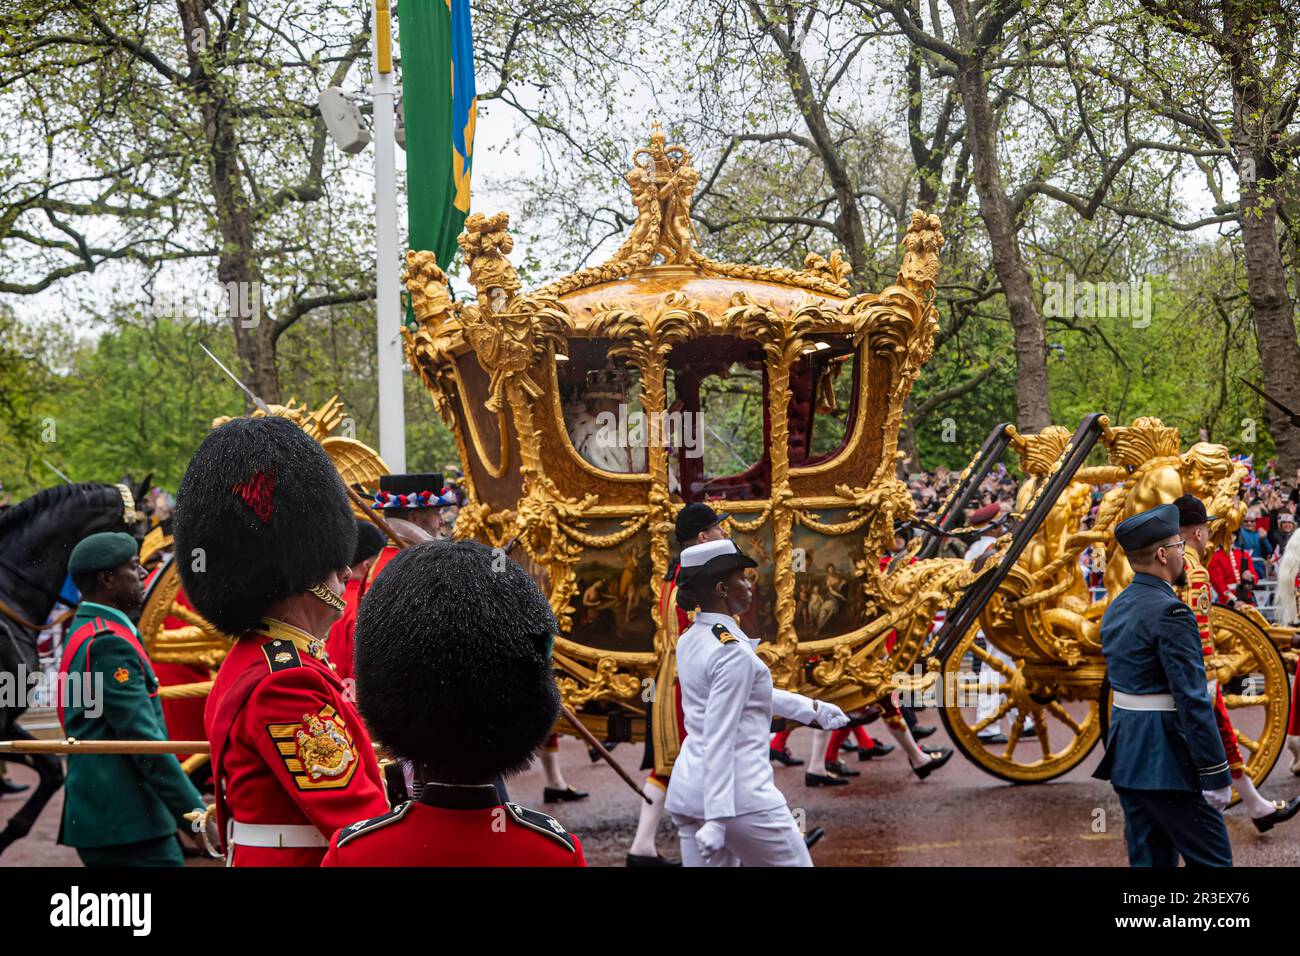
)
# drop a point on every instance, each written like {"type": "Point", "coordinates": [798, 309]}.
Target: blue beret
{"type": "Point", "coordinates": [99, 552]}
{"type": "Point", "coordinates": [1147, 527]}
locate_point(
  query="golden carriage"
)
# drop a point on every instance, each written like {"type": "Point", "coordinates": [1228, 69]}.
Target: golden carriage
{"type": "Point", "coordinates": [520, 377]}
{"type": "Point", "coordinates": [524, 378]}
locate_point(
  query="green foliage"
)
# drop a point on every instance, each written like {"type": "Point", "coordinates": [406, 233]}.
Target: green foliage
{"type": "Point", "coordinates": [140, 399]}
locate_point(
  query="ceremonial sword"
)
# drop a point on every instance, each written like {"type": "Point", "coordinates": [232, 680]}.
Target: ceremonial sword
{"type": "Point", "coordinates": [261, 405]}
{"type": "Point", "coordinates": [1292, 417]}
{"type": "Point", "coordinates": [57, 472]}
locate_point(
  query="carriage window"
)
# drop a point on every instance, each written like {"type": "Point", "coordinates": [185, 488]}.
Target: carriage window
{"type": "Point", "coordinates": [731, 420]}
{"type": "Point", "coordinates": [717, 390]}
{"type": "Point", "coordinates": [822, 401]}
{"type": "Point", "coordinates": [601, 399]}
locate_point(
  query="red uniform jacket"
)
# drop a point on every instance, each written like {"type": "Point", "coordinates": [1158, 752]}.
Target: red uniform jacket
{"type": "Point", "coordinates": [456, 826]}
{"type": "Point", "coordinates": [287, 748]}
{"type": "Point", "coordinates": [390, 551]}
{"type": "Point", "coordinates": [1221, 576]}
{"type": "Point", "coordinates": [339, 644]}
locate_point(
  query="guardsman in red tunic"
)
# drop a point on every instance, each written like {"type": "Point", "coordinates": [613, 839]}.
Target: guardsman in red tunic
{"type": "Point", "coordinates": [264, 534]}
{"type": "Point", "coordinates": [1194, 526]}
{"type": "Point", "coordinates": [449, 615]}
{"type": "Point", "coordinates": [370, 541]}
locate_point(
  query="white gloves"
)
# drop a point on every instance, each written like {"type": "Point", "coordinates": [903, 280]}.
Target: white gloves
{"type": "Point", "coordinates": [710, 838]}
{"type": "Point", "coordinates": [829, 717]}
{"type": "Point", "coordinates": [1218, 798]}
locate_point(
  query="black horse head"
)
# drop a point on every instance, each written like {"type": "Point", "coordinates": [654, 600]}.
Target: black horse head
{"type": "Point", "coordinates": [37, 536]}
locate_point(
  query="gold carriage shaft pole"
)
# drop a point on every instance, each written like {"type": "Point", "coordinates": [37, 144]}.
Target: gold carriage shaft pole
{"type": "Point", "coordinates": [72, 746]}
{"type": "Point", "coordinates": [582, 730]}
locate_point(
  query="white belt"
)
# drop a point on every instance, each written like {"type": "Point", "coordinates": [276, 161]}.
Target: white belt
{"type": "Point", "coordinates": [1144, 701]}
{"type": "Point", "coordinates": [273, 835]}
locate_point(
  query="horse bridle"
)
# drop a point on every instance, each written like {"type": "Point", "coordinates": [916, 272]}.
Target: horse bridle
{"type": "Point", "coordinates": [21, 621]}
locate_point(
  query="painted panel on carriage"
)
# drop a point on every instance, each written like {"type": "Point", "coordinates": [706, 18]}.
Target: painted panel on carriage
{"type": "Point", "coordinates": [611, 610]}
{"type": "Point", "coordinates": [760, 621]}
{"type": "Point", "coordinates": [827, 583]}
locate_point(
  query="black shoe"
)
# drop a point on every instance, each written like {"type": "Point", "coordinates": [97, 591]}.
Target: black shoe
{"type": "Point", "coordinates": [822, 780]}
{"type": "Point", "coordinates": [991, 738]}
{"type": "Point", "coordinates": [567, 795]}
{"type": "Point", "coordinates": [867, 715]}
{"type": "Point", "coordinates": [783, 757]}
{"type": "Point", "coordinates": [849, 746]}
{"type": "Point", "coordinates": [8, 789]}
{"type": "Point", "coordinates": [656, 860]}
{"type": "Point", "coordinates": [920, 733]}
{"type": "Point", "coordinates": [1286, 809]}
{"type": "Point", "coordinates": [812, 836]}
{"type": "Point", "coordinates": [934, 764]}
{"type": "Point", "coordinates": [594, 754]}
{"type": "Point", "coordinates": [1029, 733]}
{"type": "Point", "coordinates": [841, 769]}
{"type": "Point", "coordinates": [878, 749]}
{"type": "Point", "coordinates": [933, 750]}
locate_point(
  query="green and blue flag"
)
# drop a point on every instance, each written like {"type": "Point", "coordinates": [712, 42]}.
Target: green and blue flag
{"type": "Point", "coordinates": [439, 101]}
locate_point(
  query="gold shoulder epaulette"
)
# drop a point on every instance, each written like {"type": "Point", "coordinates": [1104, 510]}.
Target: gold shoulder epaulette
{"type": "Point", "coordinates": [723, 635]}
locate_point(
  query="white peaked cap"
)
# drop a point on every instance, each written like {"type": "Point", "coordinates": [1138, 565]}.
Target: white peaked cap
{"type": "Point", "coordinates": [700, 554]}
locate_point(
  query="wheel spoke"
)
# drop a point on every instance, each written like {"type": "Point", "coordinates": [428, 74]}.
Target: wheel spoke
{"type": "Point", "coordinates": [1064, 717]}
{"type": "Point", "coordinates": [995, 716]}
{"type": "Point", "coordinates": [1040, 725]}
{"type": "Point", "coordinates": [1013, 738]}
{"type": "Point", "coordinates": [993, 662]}
{"type": "Point", "coordinates": [1234, 701]}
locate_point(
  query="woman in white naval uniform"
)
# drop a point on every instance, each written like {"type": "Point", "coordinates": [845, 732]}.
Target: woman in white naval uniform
{"type": "Point", "coordinates": [722, 795]}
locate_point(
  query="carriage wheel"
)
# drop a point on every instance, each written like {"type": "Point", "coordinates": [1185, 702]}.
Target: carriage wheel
{"type": "Point", "coordinates": [1259, 718]}
{"type": "Point", "coordinates": [1065, 733]}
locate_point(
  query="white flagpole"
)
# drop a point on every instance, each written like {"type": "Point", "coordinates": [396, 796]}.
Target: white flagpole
{"type": "Point", "coordinates": [392, 418]}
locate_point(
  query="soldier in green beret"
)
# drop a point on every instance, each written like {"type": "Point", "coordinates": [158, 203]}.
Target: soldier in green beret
{"type": "Point", "coordinates": [118, 809]}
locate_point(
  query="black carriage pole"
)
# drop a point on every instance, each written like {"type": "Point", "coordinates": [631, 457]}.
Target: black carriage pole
{"type": "Point", "coordinates": [950, 512]}
{"type": "Point", "coordinates": [973, 600]}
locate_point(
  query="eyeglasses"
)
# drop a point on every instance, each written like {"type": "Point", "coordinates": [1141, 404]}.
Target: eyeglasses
{"type": "Point", "coordinates": [1180, 543]}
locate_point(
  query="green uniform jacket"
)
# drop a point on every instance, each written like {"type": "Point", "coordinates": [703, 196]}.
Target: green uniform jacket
{"type": "Point", "coordinates": [111, 799]}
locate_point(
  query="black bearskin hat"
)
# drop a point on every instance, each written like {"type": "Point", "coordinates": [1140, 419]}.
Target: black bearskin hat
{"type": "Point", "coordinates": [269, 512]}
{"type": "Point", "coordinates": [453, 661]}
{"type": "Point", "coordinates": [370, 541]}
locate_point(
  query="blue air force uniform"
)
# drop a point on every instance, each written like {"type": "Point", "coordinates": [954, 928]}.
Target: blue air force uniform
{"type": "Point", "coordinates": [1164, 746]}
